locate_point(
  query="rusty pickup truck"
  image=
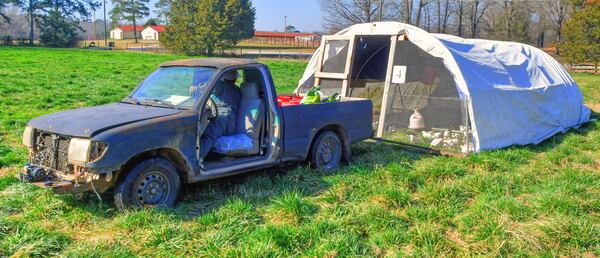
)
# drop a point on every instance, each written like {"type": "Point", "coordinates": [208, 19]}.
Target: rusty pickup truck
{"type": "Point", "coordinates": [146, 146]}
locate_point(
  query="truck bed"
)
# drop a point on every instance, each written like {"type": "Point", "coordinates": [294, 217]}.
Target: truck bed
{"type": "Point", "coordinates": [302, 122]}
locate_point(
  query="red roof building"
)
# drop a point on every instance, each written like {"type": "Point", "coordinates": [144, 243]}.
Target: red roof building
{"type": "Point", "coordinates": [130, 28]}
{"type": "Point", "coordinates": [159, 28]}
{"type": "Point", "coordinates": [153, 32]}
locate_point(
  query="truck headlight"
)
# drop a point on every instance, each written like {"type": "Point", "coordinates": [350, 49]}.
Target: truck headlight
{"type": "Point", "coordinates": [85, 150]}
{"type": "Point", "coordinates": [28, 136]}
{"type": "Point", "coordinates": [79, 150]}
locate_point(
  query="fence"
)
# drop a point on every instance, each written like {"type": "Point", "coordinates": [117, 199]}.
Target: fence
{"type": "Point", "coordinates": [283, 41]}
{"type": "Point", "coordinates": [291, 53]}
{"type": "Point", "coordinates": [584, 67]}
{"type": "Point", "coordinates": [9, 41]}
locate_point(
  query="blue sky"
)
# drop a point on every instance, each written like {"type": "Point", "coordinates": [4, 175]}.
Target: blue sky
{"type": "Point", "coordinates": [304, 14]}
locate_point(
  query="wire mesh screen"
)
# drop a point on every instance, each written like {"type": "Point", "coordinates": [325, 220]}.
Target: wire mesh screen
{"type": "Point", "coordinates": [335, 54]}
{"type": "Point", "coordinates": [331, 86]}
{"type": "Point", "coordinates": [423, 106]}
{"type": "Point", "coordinates": [369, 89]}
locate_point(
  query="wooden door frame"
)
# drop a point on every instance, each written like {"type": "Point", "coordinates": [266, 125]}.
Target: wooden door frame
{"type": "Point", "coordinates": [345, 76]}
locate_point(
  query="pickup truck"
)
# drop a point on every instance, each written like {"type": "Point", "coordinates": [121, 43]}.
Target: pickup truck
{"type": "Point", "coordinates": [146, 146]}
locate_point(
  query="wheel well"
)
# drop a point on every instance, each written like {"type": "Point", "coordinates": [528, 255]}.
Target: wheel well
{"type": "Point", "coordinates": [341, 132]}
{"type": "Point", "coordinates": [167, 153]}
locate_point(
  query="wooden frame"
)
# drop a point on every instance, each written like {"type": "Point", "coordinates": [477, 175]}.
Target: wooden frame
{"type": "Point", "coordinates": [386, 86]}
{"type": "Point", "coordinates": [345, 76]}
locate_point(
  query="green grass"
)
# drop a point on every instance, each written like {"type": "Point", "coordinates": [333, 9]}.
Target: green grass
{"type": "Point", "coordinates": [591, 82]}
{"type": "Point", "coordinates": [521, 201]}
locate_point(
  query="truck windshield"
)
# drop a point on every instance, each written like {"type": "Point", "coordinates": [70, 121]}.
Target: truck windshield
{"type": "Point", "coordinates": [173, 86]}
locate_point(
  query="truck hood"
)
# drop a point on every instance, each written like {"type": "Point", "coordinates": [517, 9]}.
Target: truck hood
{"type": "Point", "coordinates": [87, 122]}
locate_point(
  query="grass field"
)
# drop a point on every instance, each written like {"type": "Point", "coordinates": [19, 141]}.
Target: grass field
{"type": "Point", "coordinates": [534, 200]}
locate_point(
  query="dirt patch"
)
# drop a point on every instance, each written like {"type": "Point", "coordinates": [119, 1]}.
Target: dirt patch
{"type": "Point", "coordinates": [7, 171]}
{"type": "Point", "coordinates": [594, 107]}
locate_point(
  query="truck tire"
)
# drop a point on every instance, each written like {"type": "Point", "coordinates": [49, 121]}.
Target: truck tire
{"type": "Point", "coordinates": [326, 152]}
{"type": "Point", "coordinates": [151, 183]}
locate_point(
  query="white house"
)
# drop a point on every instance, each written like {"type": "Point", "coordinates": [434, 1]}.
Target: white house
{"type": "Point", "coordinates": [153, 32]}
{"type": "Point", "coordinates": [125, 32]}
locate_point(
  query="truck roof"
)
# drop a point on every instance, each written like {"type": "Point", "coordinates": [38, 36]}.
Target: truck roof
{"type": "Point", "coordinates": [219, 63]}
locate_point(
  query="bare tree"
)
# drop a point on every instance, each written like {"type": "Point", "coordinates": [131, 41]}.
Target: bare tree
{"type": "Point", "coordinates": [476, 12]}
{"type": "Point", "coordinates": [446, 15]}
{"type": "Point", "coordinates": [421, 4]}
{"type": "Point", "coordinates": [558, 11]}
{"type": "Point", "coordinates": [460, 8]}
{"type": "Point", "coordinates": [3, 16]}
{"type": "Point", "coordinates": [408, 10]}
{"type": "Point", "coordinates": [19, 26]}
{"type": "Point", "coordinates": [341, 13]}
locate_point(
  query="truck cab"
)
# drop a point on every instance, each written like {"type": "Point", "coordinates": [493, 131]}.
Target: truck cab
{"type": "Point", "coordinates": [150, 143]}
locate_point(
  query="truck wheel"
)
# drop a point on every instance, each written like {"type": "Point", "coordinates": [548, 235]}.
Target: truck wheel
{"type": "Point", "coordinates": [326, 152]}
{"type": "Point", "coordinates": [151, 183]}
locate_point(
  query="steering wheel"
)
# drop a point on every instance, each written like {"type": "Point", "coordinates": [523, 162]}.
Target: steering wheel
{"type": "Point", "coordinates": [211, 108]}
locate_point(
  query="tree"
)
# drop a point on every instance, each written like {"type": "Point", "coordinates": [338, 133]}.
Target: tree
{"type": "Point", "coordinates": [460, 7]}
{"type": "Point", "coordinates": [162, 9]}
{"type": "Point", "coordinates": [58, 30]}
{"type": "Point", "coordinates": [151, 22]}
{"type": "Point", "coordinates": [205, 26]}
{"type": "Point", "coordinates": [421, 5]}
{"type": "Point", "coordinates": [443, 9]}
{"type": "Point", "coordinates": [3, 16]}
{"type": "Point", "coordinates": [37, 9]}
{"type": "Point", "coordinates": [581, 34]}
{"type": "Point", "coordinates": [34, 9]}
{"type": "Point", "coordinates": [131, 11]}
{"type": "Point", "coordinates": [342, 13]}
{"type": "Point", "coordinates": [290, 28]}
{"type": "Point", "coordinates": [476, 11]}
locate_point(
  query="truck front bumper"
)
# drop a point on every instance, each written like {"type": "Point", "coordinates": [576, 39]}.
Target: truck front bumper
{"type": "Point", "coordinates": [65, 183]}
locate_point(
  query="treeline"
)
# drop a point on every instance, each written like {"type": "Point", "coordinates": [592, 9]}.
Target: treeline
{"type": "Point", "coordinates": [540, 23]}
{"type": "Point", "coordinates": [57, 20]}
{"type": "Point", "coordinates": [203, 27]}
{"type": "Point", "coordinates": [195, 27]}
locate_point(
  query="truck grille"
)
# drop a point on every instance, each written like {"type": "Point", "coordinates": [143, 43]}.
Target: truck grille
{"type": "Point", "coordinates": [51, 151]}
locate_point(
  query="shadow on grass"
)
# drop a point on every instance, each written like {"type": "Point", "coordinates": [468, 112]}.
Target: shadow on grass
{"type": "Point", "coordinates": [264, 187]}
{"type": "Point", "coordinates": [258, 188]}
{"type": "Point", "coordinates": [559, 138]}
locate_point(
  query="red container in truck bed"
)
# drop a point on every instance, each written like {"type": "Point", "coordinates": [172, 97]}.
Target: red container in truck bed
{"type": "Point", "coordinates": [287, 100]}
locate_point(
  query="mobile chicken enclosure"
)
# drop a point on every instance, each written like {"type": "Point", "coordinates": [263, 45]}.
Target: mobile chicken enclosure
{"type": "Point", "coordinates": [445, 92]}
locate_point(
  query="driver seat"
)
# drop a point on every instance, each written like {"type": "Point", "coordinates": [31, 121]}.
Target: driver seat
{"type": "Point", "coordinates": [246, 140]}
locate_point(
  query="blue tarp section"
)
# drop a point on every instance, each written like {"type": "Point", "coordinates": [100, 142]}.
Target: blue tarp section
{"type": "Point", "coordinates": [518, 93]}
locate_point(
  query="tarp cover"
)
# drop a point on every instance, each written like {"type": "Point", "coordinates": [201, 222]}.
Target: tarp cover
{"type": "Point", "coordinates": [517, 94]}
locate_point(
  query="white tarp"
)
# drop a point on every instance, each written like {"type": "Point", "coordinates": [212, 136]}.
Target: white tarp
{"type": "Point", "coordinates": [517, 94]}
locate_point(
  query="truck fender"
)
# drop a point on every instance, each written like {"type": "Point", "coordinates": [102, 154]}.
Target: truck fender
{"type": "Point", "coordinates": [173, 155]}
{"type": "Point", "coordinates": [341, 132]}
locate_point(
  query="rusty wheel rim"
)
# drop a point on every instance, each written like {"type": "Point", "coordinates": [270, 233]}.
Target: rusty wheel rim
{"type": "Point", "coordinates": [152, 188]}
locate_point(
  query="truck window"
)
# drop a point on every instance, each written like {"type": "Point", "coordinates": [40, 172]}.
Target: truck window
{"type": "Point", "coordinates": [179, 86]}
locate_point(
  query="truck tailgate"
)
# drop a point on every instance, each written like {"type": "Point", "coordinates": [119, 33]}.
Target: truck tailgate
{"type": "Point", "coordinates": [302, 122]}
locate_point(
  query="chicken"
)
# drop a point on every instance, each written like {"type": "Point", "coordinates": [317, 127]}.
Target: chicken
{"type": "Point", "coordinates": [447, 134]}
{"type": "Point", "coordinates": [466, 149]}
{"type": "Point", "coordinates": [427, 135]}
{"type": "Point", "coordinates": [436, 142]}
{"type": "Point", "coordinates": [450, 142]}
